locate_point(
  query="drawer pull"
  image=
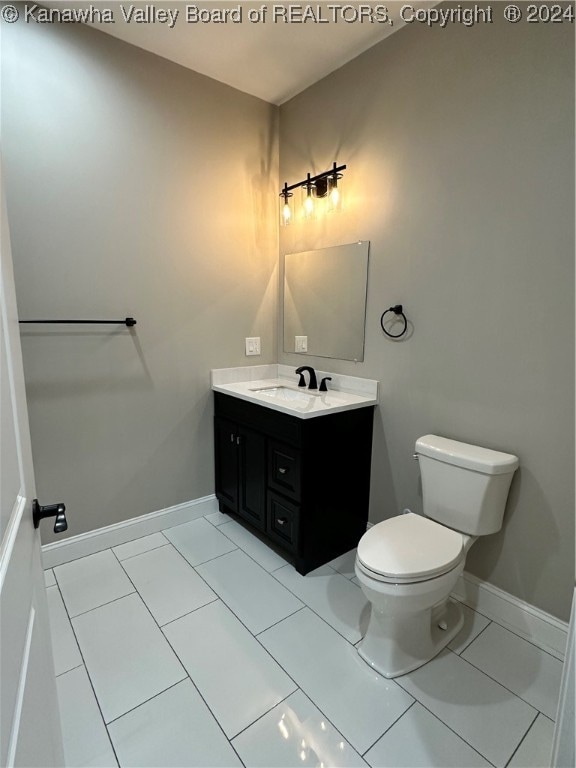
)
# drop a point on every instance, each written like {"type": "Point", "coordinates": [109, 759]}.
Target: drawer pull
{"type": "Point", "coordinates": [281, 520]}
{"type": "Point", "coordinates": [232, 438]}
{"type": "Point", "coordinates": [238, 440]}
{"type": "Point", "coordinates": [282, 470]}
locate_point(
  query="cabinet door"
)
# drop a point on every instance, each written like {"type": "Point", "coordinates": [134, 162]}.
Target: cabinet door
{"type": "Point", "coordinates": [252, 477]}
{"type": "Point", "coordinates": [226, 436]}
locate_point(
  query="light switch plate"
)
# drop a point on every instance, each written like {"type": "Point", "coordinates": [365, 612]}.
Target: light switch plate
{"type": "Point", "coordinates": [253, 345]}
{"type": "Point", "coordinates": [301, 344]}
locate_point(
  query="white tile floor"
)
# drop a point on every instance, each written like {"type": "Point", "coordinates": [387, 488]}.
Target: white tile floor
{"type": "Point", "coordinates": [200, 646]}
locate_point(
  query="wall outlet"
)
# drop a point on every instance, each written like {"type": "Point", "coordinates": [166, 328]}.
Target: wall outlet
{"type": "Point", "coordinates": [300, 343]}
{"type": "Point", "coordinates": [253, 345]}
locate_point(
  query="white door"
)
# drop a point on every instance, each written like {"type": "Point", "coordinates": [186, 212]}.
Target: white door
{"type": "Point", "coordinates": [30, 732]}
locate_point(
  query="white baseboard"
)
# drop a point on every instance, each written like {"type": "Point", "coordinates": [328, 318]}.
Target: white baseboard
{"type": "Point", "coordinates": [539, 627]}
{"type": "Point", "coordinates": [88, 543]}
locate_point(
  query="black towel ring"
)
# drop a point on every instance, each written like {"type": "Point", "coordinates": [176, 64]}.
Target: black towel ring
{"type": "Point", "coordinates": [397, 309]}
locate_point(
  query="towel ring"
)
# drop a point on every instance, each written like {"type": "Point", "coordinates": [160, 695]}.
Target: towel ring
{"type": "Point", "coordinates": [397, 309]}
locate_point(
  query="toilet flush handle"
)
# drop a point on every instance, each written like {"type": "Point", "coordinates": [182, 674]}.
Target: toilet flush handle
{"type": "Point", "coordinates": [415, 456]}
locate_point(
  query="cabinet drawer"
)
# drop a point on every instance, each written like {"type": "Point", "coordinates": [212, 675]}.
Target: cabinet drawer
{"type": "Point", "coordinates": [284, 469]}
{"type": "Point", "coordinates": [282, 521]}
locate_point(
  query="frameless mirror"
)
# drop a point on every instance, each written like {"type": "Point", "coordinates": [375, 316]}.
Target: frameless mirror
{"type": "Point", "coordinates": [325, 301]}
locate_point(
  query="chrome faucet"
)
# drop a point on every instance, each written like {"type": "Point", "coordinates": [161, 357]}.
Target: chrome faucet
{"type": "Point", "coordinates": [313, 384]}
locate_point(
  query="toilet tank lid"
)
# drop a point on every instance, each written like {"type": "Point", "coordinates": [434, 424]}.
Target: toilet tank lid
{"type": "Point", "coordinates": [473, 457]}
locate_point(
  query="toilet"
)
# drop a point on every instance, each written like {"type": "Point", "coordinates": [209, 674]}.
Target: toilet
{"type": "Point", "coordinates": [408, 565]}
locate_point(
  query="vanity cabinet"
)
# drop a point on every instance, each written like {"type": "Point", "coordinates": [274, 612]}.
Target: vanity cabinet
{"type": "Point", "coordinates": [301, 484]}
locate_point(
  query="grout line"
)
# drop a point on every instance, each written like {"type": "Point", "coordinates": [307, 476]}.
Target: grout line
{"type": "Point", "coordinates": [202, 697]}
{"type": "Point", "coordinates": [353, 644]}
{"type": "Point", "coordinates": [391, 724]}
{"type": "Point", "coordinates": [530, 642]}
{"type": "Point", "coordinates": [522, 740]}
{"type": "Point", "coordinates": [277, 622]}
{"type": "Point", "coordinates": [187, 676]}
{"type": "Point", "coordinates": [144, 552]}
{"type": "Point", "coordinates": [109, 602]}
{"type": "Point", "coordinates": [398, 680]}
{"type": "Point", "coordinates": [459, 735]}
{"type": "Point", "coordinates": [198, 607]}
{"type": "Point", "coordinates": [499, 682]}
{"type": "Point", "coordinates": [263, 714]}
{"type": "Point", "coordinates": [315, 705]}
{"type": "Point", "coordinates": [514, 632]}
{"type": "Point", "coordinates": [75, 559]}
{"type": "Point", "coordinates": [71, 668]}
{"type": "Point", "coordinates": [463, 602]}
{"type": "Point", "coordinates": [210, 560]}
{"type": "Point", "coordinates": [155, 696]}
{"type": "Point", "coordinates": [89, 678]}
{"type": "Point", "coordinates": [469, 643]}
{"type": "Point", "coordinates": [284, 564]}
{"type": "Point", "coordinates": [282, 585]}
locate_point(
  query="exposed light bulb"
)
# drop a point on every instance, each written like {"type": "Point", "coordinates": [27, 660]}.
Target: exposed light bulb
{"type": "Point", "coordinates": [309, 204]}
{"type": "Point", "coordinates": [335, 194]}
{"type": "Point", "coordinates": [285, 209]}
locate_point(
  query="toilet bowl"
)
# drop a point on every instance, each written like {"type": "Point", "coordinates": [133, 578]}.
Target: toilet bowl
{"type": "Point", "coordinates": [408, 565]}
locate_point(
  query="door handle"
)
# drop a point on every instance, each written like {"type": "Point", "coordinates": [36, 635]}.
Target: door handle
{"type": "Point", "coordinates": [51, 510]}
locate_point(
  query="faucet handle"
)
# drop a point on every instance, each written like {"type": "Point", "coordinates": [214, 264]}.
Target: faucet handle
{"type": "Point", "coordinates": [323, 387]}
{"type": "Point", "coordinates": [301, 380]}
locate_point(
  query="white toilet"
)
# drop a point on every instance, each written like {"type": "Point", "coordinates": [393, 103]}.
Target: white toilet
{"type": "Point", "coordinates": [408, 565]}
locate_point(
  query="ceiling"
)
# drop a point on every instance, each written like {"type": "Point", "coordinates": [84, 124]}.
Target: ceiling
{"type": "Point", "coordinates": [271, 57]}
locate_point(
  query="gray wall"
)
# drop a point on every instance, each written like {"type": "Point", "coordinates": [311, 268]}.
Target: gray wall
{"type": "Point", "coordinates": [460, 151]}
{"type": "Point", "coordinates": [135, 187]}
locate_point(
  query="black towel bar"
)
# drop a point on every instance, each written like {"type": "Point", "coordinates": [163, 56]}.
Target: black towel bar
{"type": "Point", "coordinates": [128, 321]}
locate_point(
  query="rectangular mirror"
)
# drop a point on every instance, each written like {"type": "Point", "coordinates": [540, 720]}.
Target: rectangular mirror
{"type": "Point", "coordinates": [325, 301]}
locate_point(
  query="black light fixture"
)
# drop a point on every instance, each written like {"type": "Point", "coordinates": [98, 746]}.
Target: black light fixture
{"type": "Point", "coordinates": [323, 185]}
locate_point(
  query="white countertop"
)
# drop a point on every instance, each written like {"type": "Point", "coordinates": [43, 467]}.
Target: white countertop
{"type": "Point", "coordinates": [291, 399]}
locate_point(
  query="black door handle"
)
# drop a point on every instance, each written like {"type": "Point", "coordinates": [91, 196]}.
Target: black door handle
{"type": "Point", "coordinates": [51, 510]}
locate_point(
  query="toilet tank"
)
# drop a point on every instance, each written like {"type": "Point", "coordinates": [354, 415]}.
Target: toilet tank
{"type": "Point", "coordinates": [464, 487]}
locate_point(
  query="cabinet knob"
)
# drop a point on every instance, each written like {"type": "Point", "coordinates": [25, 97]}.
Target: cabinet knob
{"type": "Point", "coordinates": [282, 470]}
{"type": "Point", "coordinates": [282, 520]}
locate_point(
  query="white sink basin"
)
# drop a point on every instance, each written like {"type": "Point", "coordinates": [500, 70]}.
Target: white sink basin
{"type": "Point", "coordinates": [286, 394]}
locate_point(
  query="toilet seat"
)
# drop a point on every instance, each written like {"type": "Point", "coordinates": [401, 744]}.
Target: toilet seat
{"type": "Point", "coordinates": [409, 548]}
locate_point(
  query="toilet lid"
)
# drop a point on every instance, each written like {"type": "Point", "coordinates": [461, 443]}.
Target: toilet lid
{"type": "Point", "coordinates": [410, 547]}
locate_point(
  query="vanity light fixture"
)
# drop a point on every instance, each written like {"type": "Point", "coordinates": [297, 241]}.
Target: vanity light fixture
{"type": "Point", "coordinates": [322, 186]}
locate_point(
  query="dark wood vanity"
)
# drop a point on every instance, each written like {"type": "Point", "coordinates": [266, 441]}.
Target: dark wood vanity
{"type": "Point", "coordinates": [301, 484]}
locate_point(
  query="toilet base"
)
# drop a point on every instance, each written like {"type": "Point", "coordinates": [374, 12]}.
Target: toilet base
{"type": "Point", "coordinates": [395, 645]}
